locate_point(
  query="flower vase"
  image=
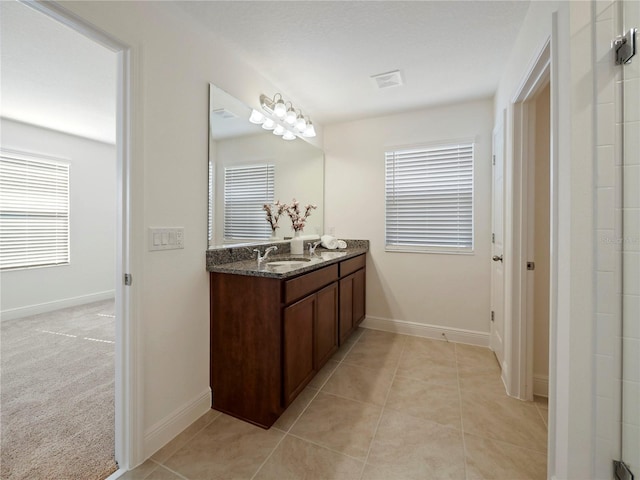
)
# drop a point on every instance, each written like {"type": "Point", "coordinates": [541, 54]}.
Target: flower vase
{"type": "Point", "coordinates": [297, 244]}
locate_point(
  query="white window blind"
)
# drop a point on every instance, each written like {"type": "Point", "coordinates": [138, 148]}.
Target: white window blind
{"type": "Point", "coordinates": [429, 199]}
{"type": "Point", "coordinates": [34, 212]}
{"type": "Point", "coordinates": [246, 190]}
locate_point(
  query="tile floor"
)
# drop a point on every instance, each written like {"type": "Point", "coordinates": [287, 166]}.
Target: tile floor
{"type": "Point", "coordinates": [386, 406]}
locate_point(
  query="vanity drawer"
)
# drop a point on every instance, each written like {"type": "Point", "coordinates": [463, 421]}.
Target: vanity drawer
{"type": "Point", "coordinates": [309, 283]}
{"type": "Point", "coordinates": [351, 265]}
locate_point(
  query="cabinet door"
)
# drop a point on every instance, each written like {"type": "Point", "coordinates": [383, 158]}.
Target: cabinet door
{"type": "Point", "coordinates": [298, 346]}
{"type": "Point", "coordinates": [326, 332]}
{"type": "Point", "coordinates": [346, 307]}
{"type": "Point", "coordinates": [359, 289]}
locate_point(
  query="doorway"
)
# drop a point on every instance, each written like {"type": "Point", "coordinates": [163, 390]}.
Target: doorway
{"type": "Point", "coordinates": [127, 428]}
{"type": "Point", "coordinates": [539, 242]}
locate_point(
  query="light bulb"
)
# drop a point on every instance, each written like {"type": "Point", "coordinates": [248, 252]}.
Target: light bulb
{"type": "Point", "coordinates": [288, 135]}
{"type": "Point", "coordinates": [310, 131]}
{"type": "Point", "coordinates": [280, 109]}
{"type": "Point", "coordinates": [256, 117]}
{"type": "Point", "coordinates": [268, 124]}
{"type": "Point", "coordinates": [290, 117]}
{"type": "Point", "coordinates": [279, 130]}
{"type": "Point", "coordinates": [301, 124]}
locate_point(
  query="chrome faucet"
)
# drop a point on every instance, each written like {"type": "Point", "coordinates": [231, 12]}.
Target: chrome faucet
{"type": "Point", "coordinates": [262, 258]}
{"type": "Point", "coordinates": [312, 248]}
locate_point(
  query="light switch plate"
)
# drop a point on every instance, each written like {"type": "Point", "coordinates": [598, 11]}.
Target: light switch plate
{"type": "Point", "coordinates": [165, 238]}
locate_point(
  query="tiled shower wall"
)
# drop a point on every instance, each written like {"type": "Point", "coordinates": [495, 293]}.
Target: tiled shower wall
{"type": "Point", "coordinates": [618, 242]}
{"type": "Point", "coordinates": [608, 247]}
{"type": "Point", "coordinates": [630, 128]}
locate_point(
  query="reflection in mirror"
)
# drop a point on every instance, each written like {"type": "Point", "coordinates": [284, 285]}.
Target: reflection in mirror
{"type": "Point", "coordinates": [250, 166]}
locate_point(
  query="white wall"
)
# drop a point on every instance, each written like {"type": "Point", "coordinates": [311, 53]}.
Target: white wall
{"type": "Point", "coordinates": [173, 60]}
{"type": "Point", "coordinates": [90, 276]}
{"type": "Point", "coordinates": [446, 291]}
{"type": "Point", "coordinates": [299, 174]}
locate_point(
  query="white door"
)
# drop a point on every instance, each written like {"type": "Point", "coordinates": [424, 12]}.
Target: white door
{"type": "Point", "coordinates": [497, 225]}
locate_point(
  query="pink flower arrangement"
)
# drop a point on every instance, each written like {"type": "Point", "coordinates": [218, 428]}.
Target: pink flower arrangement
{"type": "Point", "coordinates": [297, 219]}
{"type": "Point", "coordinates": [273, 213]}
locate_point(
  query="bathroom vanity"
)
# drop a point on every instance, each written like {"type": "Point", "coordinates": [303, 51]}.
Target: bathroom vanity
{"type": "Point", "coordinates": [274, 325]}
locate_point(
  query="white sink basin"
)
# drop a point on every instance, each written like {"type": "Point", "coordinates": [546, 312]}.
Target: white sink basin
{"type": "Point", "coordinates": [287, 263]}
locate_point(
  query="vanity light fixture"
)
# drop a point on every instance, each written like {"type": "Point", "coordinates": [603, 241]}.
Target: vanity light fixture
{"type": "Point", "coordinates": [268, 124]}
{"type": "Point", "coordinates": [282, 118]}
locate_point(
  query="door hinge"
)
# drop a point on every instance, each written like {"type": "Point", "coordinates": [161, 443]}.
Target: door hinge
{"type": "Point", "coordinates": [531, 265]}
{"type": "Point", "coordinates": [621, 471]}
{"type": "Point", "coordinates": [128, 279]}
{"type": "Point", "coordinates": [493, 316]}
{"type": "Point", "coordinates": [493, 238]}
{"type": "Point", "coordinates": [625, 47]}
{"type": "Point", "coordinates": [493, 161]}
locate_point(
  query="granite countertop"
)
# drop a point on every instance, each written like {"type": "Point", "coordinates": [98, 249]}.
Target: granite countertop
{"type": "Point", "coordinates": [304, 263]}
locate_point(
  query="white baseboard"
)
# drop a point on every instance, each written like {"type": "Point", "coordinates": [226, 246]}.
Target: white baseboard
{"type": "Point", "coordinates": [458, 335]}
{"type": "Point", "coordinates": [13, 313]}
{"type": "Point", "coordinates": [541, 385]}
{"type": "Point", "coordinates": [169, 427]}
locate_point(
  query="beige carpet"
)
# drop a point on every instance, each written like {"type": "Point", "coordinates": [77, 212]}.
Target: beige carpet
{"type": "Point", "coordinates": [57, 395]}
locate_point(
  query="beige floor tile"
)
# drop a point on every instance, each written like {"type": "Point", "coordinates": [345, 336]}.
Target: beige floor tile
{"type": "Point", "coordinates": [343, 350]}
{"type": "Point", "coordinates": [325, 372]}
{"type": "Point", "coordinates": [226, 448]}
{"type": "Point", "coordinates": [439, 403]}
{"type": "Point", "coordinates": [141, 472]}
{"type": "Point", "coordinates": [343, 425]}
{"type": "Point", "coordinates": [544, 413]}
{"type": "Point", "coordinates": [381, 337]}
{"type": "Point", "coordinates": [421, 367]}
{"type": "Point", "coordinates": [505, 419]}
{"type": "Point", "coordinates": [297, 459]}
{"type": "Point", "coordinates": [407, 447]}
{"type": "Point", "coordinates": [181, 440]}
{"type": "Point", "coordinates": [293, 411]}
{"type": "Point", "coordinates": [488, 459]}
{"type": "Point", "coordinates": [475, 359]}
{"type": "Point", "coordinates": [359, 383]}
{"type": "Point", "coordinates": [162, 473]}
{"type": "Point", "coordinates": [437, 350]}
{"type": "Point", "coordinates": [482, 383]}
{"type": "Point", "coordinates": [375, 353]}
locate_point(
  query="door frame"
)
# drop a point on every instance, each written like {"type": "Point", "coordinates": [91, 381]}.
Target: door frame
{"type": "Point", "coordinates": [519, 285]}
{"type": "Point", "coordinates": [128, 394]}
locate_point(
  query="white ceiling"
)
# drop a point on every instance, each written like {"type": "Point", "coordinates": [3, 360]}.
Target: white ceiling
{"type": "Point", "coordinates": [321, 53]}
{"type": "Point", "coordinates": [53, 77]}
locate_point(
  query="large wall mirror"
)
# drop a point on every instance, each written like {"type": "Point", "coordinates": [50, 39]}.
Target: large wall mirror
{"type": "Point", "coordinates": [250, 166]}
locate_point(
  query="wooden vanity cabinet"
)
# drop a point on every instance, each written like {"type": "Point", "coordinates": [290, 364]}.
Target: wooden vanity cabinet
{"type": "Point", "coordinates": [270, 336]}
{"type": "Point", "coordinates": [352, 295]}
{"type": "Point", "coordinates": [310, 338]}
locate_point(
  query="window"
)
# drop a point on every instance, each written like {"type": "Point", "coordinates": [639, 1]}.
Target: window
{"type": "Point", "coordinates": [34, 211]}
{"type": "Point", "coordinates": [429, 199]}
{"type": "Point", "coordinates": [246, 190]}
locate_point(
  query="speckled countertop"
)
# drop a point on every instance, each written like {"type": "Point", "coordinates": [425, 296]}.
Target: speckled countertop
{"type": "Point", "coordinates": [242, 261]}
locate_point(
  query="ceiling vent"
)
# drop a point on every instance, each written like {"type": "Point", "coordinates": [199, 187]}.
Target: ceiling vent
{"type": "Point", "coordinates": [223, 114]}
{"type": "Point", "coordinates": [389, 79]}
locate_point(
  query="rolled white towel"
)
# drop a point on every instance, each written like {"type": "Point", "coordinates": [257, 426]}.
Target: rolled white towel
{"type": "Point", "coordinates": [342, 244]}
{"type": "Point", "coordinates": [329, 242]}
